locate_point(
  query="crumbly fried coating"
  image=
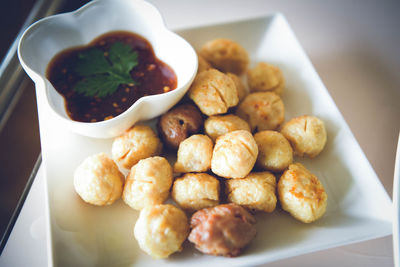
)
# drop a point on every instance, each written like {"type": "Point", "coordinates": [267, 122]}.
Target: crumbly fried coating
{"type": "Point", "coordinates": [148, 183]}
{"type": "Point", "coordinates": [161, 229]}
{"type": "Point", "coordinates": [240, 88]}
{"type": "Point", "coordinates": [139, 142]}
{"type": "Point", "coordinates": [265, 77]}
{"type": "Point", "coordinates": [194, 154]}
{"type": "Point", "coordinates": [98, 181]}
{"type": "Point", "coordinates": [226, 55]}
{"type": "Point", "coordinates": [216, 126]}
{"type": "Point", "coordinates": [234, 154]}
{"type": "Point", "coordinates": [213, 92]}
{"type": "Point", "coordinates": [306, 134]}
{"type": "Point", "coordinates": [195, 191]}
{"type": "Point", "coordinates": [274, 151]}
{"type": "Point", "coordinates": [302, 194]}
{"type": "Point", "coordinates": [256, 191]}
{"type": "Point", "coordinates": [262, 110]}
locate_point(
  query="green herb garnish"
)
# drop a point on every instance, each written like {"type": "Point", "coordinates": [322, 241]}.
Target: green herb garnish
{"type": "Point", "coordinates": [101, 74]}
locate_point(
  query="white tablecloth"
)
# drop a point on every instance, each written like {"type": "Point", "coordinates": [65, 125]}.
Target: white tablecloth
{"type": "Point", "coordinates": [354, 46]}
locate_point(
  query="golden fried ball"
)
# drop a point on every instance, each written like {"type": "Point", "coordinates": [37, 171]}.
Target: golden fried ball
{"type": "Point", "coordinates": [256, 191]}
{"type": "Point", "coordinates": [161, 229]}
{"type": "Point", "coordinates": [137, 143]}
{"type": "Point", "coordinates": [274, 151]}
{"type": "Point", "coordinates": [265, 77]}
{"type": "Point", "coordinates": [194, 154]}
{"type": "Point", "coordinates": [213, 92]}
{"type": "Point", "coordinates": [240, 88]}
{"type": "Point", "coordinates": [195, 191]}
{"type": "Point", "coordinates": [98, 180]}
{"type": "Point", "coordinates": [148, 183]}
{"type": "Point", "coordinates": [203, 64]}
{"type": "Point", "coordinates": [302, 194]}
{"type": "Point", "coordinates": [306, 134]}
{"type": "Point", "coordinates": [216, 126]}
{"type": "Point", "coordinates": [226, 55]}
{"type": "Point", "coordinates": [262, 110]}
{"type": "Point", "coordinates": [234, 154]}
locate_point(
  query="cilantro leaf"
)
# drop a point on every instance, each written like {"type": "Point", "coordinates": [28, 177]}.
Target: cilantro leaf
{"type": "Point", "coordinates": [101, 74]}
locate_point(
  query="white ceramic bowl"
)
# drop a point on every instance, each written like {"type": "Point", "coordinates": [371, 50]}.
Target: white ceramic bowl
{"type": "Point", "coordinates": [47, 37]}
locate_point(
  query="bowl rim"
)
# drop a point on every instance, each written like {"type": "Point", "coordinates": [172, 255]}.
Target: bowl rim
{"type": "Point", "coordinates": [37, 77]}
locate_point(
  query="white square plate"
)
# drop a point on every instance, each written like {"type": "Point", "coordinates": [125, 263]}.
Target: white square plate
{"type": "Point", "coordinates": [358, 207]}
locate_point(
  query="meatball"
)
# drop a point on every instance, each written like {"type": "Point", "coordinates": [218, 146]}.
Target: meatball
{"type": "Point", "coordinates": [223, 230]}
{"type": "Point", "coordinates": [137, 143]}
{"type": "Point", "coordinates": [274, 151]}
{"type": "Point", "coordinates": [98, 181]}
{"type": "Point", "coordinates": [194, 154]}
{"type": "Point", "coordinates": [256, 191]}
{"type": "Point", "coordinates": [216, 126]}
{"type": "Point", "coordinates": [226, 55]}
{"type": "Point", "coordinates": [234, 154]}
{"type": "Point", "coordinates": [195, 191]}
{"type": "Point", "coordinates": [161, 229]}
{"type": "Point", "coordinates": [148, 183]}
{"type": "Point", "coordinates": [302, 194]}
{"type": "Point", "coordinates": [240, 88]}
{"type": "Point", "coordinates": [203, 64]}
{"type": "Point", "coordinates": [262, 110]}
{"type": "Point", "coordinates": [306, 134]}
{"type": "Point", "coordinates": [213, 92]}
{"type": "Point", "coordinates": [178, 124]}
{"type": "Point", "coordinates": [265, 77]}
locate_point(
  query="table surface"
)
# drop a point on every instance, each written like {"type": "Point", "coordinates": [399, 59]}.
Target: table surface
{"type": "Point", "coordinates": [354, 46]}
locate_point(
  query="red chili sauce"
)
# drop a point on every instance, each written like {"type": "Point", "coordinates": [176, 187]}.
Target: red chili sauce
{"type": "Point", "coordinates": [151, 74]}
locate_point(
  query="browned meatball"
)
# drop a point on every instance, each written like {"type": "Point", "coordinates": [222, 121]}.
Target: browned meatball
{"type": "Point", "coordinates": [179, 123]}
{"type": "Point", "coordinates": [223, 230]}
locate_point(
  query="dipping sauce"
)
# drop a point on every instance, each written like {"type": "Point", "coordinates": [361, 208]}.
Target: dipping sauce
{"type": "Point", "coordinates": [151, 76]}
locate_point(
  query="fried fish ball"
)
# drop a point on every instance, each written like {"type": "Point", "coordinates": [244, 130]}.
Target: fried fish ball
{"type": "Point", "coordinates": [240, 88]}
{"type": "Point", "coordinates": [263, 111]}
{"type": "Point", "coordinates": [203, 64]}
{"type": "Point", "coordinates": [137, 143]}
{"type": "Point", "coordinates": [302, 194]}
{"type": "Point", "coordinates": [98, 181]}
{"type": "Point", "coordinates": [216, 126]}
{"type": "Point", "coordinates": [226, 55]}
{"type": "Point", "coordinates": [195, 191]}
{"type": "Point", "coordinates": [148, 183]}
{"type": "Point", "coordinates": [274, 151]}
{"type": "Point", "coordinates": [161, 229]}
{"type": "Point", "coordinates": [306, 134]}
{"type": "Point", "coordinates": [234, 154]}
{"type": "Point", "coordinates": [265, 77]}
{"type": "Point", "coordinates": [213, 92]}
{"type": "Point", "coordinates": [256, 191]}
{"type": "Point", "coordinates": [194, 154]}
{"type": "Point", "coordinates": [223, 230]}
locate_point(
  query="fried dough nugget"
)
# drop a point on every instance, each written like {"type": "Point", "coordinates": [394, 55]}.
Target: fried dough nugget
{"type": "Point", "coordinates": [274, 151]}
{"type": "Point", "coordinates": [256, 191]}
{"type": "Point", "coordinates": [226, 55]}
{"type": "Point", "coordinates": [234, 154]}
{"type": "Point", "coordinates": [216, 126]}
{"type": "Point", "coordinates": [262, 110]}
{"type": "Point", "coordinates": [137, 143]}
{"type": "Point", "coordinates": [265, 77]}
{"type": "Point", "coordinates": [195, 191]}
{"type": "Point", "coordinates": [213, 92]}
{"type": "Point", "coordinates": [302, 194]}
{"type": "Point", "coordinates": [306, 134]}
{"type": "Point", "coordinates": [194, 154]}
